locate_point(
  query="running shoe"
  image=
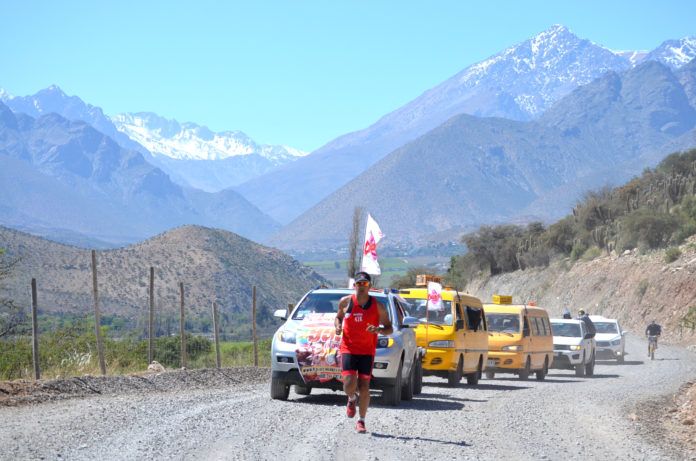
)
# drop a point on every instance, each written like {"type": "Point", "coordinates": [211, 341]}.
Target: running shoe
{"type": "Point", "coordinates": [360, 427]}
{"type": "Point", "coordinates": [350, 408]}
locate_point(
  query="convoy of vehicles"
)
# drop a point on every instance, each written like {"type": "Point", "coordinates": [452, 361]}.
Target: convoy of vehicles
{"type": "Point", "coordinates": [305, 349]}
{"type": "Point", "coordinates": [611, 340]}
{"type": "Point", "coordinates": [520, 341]}
{"type": "Point", "coordinates": [574, 348]}
{"type": "Point", "coordinates": [455, 338]}
{"type": "Point", "coordinates": [462, 338]}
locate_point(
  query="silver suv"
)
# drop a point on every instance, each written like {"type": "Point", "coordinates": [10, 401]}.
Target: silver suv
{"type": "Point", "coordinates": [305, 351]}
{"type": "Point", "coordinates": [611, 340]}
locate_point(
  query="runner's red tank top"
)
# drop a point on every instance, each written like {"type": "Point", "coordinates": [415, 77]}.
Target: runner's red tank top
{"type": "Point", "coordinates": [356, 339]}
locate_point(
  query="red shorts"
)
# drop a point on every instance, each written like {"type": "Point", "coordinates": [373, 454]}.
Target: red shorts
{"type": "Point", "coordinates": [356, 364]}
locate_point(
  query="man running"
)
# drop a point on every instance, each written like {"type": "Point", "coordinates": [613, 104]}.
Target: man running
{"type": "Point", "coordinates": [358, 318]}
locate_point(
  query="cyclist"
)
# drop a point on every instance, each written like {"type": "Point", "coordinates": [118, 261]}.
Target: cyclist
{"type": "Point", "coordinates": [652, 332]}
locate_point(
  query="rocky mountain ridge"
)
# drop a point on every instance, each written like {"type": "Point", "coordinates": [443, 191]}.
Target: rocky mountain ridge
{"type": "Point", "coordinates": [518, 83]}
{"type": "Point", "coordinates": [63, 176]}
{"type": "Point", "coordinates": [473, 170]}
{"type": "Point", "coordinates": [192, 155]}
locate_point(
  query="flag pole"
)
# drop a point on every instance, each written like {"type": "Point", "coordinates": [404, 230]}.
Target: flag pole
{"type": "Point", "coordinates": [427, 323]}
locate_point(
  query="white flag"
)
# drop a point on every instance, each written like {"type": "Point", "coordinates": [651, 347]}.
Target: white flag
{"type": "Point", "coordinates": [435, 297]}
{"type": "Point", "coordinates": [373, 234]}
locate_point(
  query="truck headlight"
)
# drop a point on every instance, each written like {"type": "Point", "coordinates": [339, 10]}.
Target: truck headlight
{"type": "Point", "coordinates": [384, 343]}
{"type": "Point", "coordinates": [448, 344]}
{"type": "Point", "coordinates": [616, 342]}
{"type": "Point", "coordinates": [288, 336]}
{"type": "Point", "coordinates": [511, 348]}
{"type": "Point", "coordinates": [575, 348]}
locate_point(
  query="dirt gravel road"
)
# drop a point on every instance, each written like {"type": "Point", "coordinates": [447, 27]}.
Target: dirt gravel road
{"type": "Point", "coordinates": [564, 417]}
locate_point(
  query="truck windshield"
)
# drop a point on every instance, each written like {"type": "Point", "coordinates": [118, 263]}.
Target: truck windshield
{"type": "Point", "coordinates": [570, 330]}
{"type": "Point", "coordinates": [606, 327]}
{"type": "Point", "coordinates": [443, 317]}
{"type": "Point", "coordinates": [327, 303]}
{"type": "Point", "coordinates": [503, 323]}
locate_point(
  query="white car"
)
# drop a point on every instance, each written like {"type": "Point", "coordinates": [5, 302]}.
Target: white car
{"type": "Point", "coordinates": [573, 346]}
{"type": "Point", "coordinates": [611, 341]}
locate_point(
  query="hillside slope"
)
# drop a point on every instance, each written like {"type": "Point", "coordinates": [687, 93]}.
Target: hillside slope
{"type": "Point", "coordinates": [633, 288]}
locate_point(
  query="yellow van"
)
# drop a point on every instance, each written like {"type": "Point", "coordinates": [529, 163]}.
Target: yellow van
{"type": "Point", "coordinates": [456, 339]}
{"type": "Point", "coordinates": [521, 340]}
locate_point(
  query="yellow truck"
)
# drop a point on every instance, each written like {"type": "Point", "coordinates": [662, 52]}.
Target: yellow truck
{"type": "Point", "coordinates": [521, 339]}
{"type": "Point", "coordinates": [455, 338]}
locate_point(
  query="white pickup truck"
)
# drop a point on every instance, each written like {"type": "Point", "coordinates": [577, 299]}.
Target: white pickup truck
{"type": "Point", "coordinates": [573, 348]}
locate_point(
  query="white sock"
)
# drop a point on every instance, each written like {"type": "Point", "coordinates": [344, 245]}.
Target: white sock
{"type": "Point", "coordinates": [354, 398]}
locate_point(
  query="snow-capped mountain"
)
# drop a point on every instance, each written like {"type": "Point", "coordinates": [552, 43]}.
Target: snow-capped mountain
{"type": "Point", "coordinates": [674, 53]}
{"type": "Point", "coordinates": [519, 83]}
{"type": "Point", "coordinates": [190, 154]}
{"type": "Point", "coordinates": [54, 100]}
{"type": "Point", "coordinates": [196, 156]}
{"type": "Point", "coordinates": [189, 141]}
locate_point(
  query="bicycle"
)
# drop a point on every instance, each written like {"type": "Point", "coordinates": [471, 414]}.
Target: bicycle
{"type": "Point", "coordinates": [652, 345]}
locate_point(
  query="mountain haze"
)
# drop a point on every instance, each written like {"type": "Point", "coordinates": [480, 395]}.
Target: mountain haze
{"type": "Point", "coordinates": [192, 155]}
{"type": "Point", "coordinates": [63, 174]}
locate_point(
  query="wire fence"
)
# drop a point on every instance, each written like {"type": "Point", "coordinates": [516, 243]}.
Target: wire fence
{"type": "Point", "coordinates": [70, 344]}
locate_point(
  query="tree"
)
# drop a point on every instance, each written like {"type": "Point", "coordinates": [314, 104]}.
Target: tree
{"type": "Point", "coordinates": [354, 243]}
{"type": "Point", "coordinates": [11, 315]}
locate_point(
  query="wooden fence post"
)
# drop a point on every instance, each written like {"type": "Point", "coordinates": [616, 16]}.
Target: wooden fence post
{"type": "Point", "coordinates": [217, 338]}
{"type": "Point", "coordinates": [151, 353]}
{"type": "Point", "coordinates": [97, 321]}
{"type": "Point", "coordinates": [253, 320]}
{"type": "Point", "coordinates": [35, 328]}
{"type": "Point", "coordinates": [183, 332]}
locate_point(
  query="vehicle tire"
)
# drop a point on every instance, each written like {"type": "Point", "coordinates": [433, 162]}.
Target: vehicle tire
{"type": "Point", "coordinates": [589, 368]}
{"type": "Point", "coordinates": [580, 368]}
{"type": "Point", "coordinates": [524, 372]}
{"type": "Point", "coordinates": [392, 394]}
{"type": "Point", "coordinates": [490, 374]}
{"type": "Point", "coordinates": [279, 389]}
{"type": "Point", "coordinates": [418, 384]}
{"type": "Point", "coordinates": [302, 390]}
{"type": "Point", "coordinates": [620, 359]}
{"type": "Point", "coordinates": [472, 379]}
{"type": "Point", "coordinates": [541, 374]}
{"type": "Point", "coordinates": [409, 384]}
{"type": "Point", "coordinates": [455, 376]}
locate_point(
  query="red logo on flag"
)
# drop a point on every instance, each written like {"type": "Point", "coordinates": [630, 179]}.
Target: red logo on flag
{"type": "Point", "coordinates": [371, 247]}
{"type": "Point", "coordinates": [434, 297]}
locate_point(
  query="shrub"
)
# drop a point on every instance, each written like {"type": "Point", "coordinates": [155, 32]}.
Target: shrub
{"type": "Point", "coordinates": [672, 254]}
{"type": "Point", "coordinates": [641, 288]}
{"type": "Point", "coordinates": [578, 250]}
{"type": "Point", "coordinates": [647, 228]}
{"type": "Point", "coordinates": [591, 253]}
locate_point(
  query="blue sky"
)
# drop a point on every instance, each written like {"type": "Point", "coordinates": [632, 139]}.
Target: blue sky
{"type": "Point", "coordinates": [296, 73]}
